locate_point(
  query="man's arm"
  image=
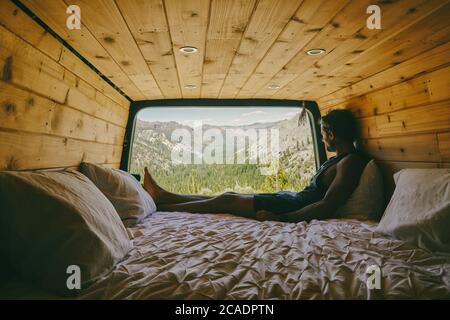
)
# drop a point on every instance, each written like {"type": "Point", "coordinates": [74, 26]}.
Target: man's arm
{"type": "Point", "coordinates": [348, 173]}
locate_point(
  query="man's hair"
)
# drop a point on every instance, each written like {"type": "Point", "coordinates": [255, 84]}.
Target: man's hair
{"type": "Point", "coordinates": [342, 123]}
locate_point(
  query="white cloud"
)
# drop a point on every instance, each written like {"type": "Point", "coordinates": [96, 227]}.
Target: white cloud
{"type": "Point", "coordinates": [254, 113]}
{"type": "Point", "coordinates": [291, 114]}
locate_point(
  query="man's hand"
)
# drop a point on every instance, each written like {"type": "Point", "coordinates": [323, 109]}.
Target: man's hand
{"type": "Point", "coordinates": [264, 215]}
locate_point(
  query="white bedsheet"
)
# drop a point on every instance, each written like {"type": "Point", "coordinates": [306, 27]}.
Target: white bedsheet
{"type": "Point", "coordinates": [195, 256]}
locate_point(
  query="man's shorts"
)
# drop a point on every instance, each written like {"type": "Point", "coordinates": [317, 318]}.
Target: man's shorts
{"type": "Point", "coordinates": [280, 202]}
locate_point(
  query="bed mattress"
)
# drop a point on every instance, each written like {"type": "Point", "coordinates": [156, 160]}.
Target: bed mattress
{"type": "Point", "coordinates": [205, 256]}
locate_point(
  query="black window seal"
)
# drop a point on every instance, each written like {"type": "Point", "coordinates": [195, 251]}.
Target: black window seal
{"type": "Point", "coordinates": [311, 107]}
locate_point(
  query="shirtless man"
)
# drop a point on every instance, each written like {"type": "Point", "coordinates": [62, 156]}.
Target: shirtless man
{"type": "Point", "coordinates": [330, 187]}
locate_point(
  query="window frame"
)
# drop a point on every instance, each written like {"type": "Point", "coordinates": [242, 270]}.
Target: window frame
{"type": "Point", "coordinates": [311, 107]}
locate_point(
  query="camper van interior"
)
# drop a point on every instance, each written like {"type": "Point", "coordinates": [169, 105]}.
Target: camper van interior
{"type": "Point", "coordinates": [224, 149]}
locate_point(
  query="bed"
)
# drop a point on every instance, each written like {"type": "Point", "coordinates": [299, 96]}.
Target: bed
{"type": "Point", "coordinates": [213, 256]}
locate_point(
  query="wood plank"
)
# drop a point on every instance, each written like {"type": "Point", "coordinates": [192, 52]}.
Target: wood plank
{"type": "Point", "coordinates": [53, 13]}
{"type": "Point", "coordinates": [425, 35]}
{"type": "Point", "coordinates": [425, 62]}
{"type": "Point", "coordinates": [349, 40]}
{"type": "Point", "coordinates": [312, 20]}
{"type": "Point", "coordinates": [102, 109]}
{"type": "Point", "coordinates": [81, 70]}
{"type": "Point", "coordinates": [432, 118]}
{"type": "Point", "coordinates": [22, 110]}
{"type": "Point", "coordinates": [345, 25]}
{"type": "Point", "coordinates": [39, 73]}
{"type": "Point", "coordinates": [112, 32]}
{"type": "Point", "coordinates": [267, 22]}
{"type": "Point", "coordinates": [148, 25]}
{"type": "Point", "coordinates": [20, 150]}
{"type": "Point", "coordinates": [444, 146]}
{"type": "Point", "coordinates": [184, 17]}
{"type": "Point", "coordinates": [19, 23]}
{"type": "Point", "coordinates": [415, 120]}
{"type": "Point", "coordinates": [228, 18]}
{"type": "Point", "coordinates": [427, 89]}
{"type": "Point", "coordinates": [405, 148]}
{"type": "Point", "coordinates": [42, 75]}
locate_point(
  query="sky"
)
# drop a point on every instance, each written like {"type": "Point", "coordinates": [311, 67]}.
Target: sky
{"type": "Point", "coordinates": [218, 115]}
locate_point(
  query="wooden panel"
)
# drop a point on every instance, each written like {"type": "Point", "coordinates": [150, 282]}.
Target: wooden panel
{"type": "Point", "coordinates": [31, 151]}
{"type": "Point", "coordinates": [72, 63]}
{"type": "Point", "coordinates": [49, 116]}
{"type": "Point", "coordinates": [22, 110]}
{"type": "Point", "coordinates": [17, 21]}
{"type": "Point", "coordinates": [112, 32]}
{"type": "Point", "coordinates": [405, 148]}
{"type": "Point", "coordinates": [53, 13]}
{"type": "Point", "coordinates": [429, 88]}
{"type": "Point", "coordinates": [431, 118]}
{"type": "Point", "coordinates": [109, 112]}
{"type": "Point", "coordinates": [426, 34]}
{"type": "Point", "coordinates": [312, 17]}
{"type": "Point", "coordinates": [267, 22]}
{"type": "Point", "coordinates": [26, 66]}
{"type": "Point", "coordinates": [46, 77]}
{"type": "Point", "coordinates": [148, 25]}
{"type": "Point", "coordinates": [444, 146]}
{"type": "Point", "coordinates": [246, 45]}
{"type": "Point", "coordinates": [228, 19]}
{"type": "Point", "coordinates": [188, 23]}
{"type": "Point", "coordinates": [352, 42]}
{"type": "Point", "coordinates": [424, 62]}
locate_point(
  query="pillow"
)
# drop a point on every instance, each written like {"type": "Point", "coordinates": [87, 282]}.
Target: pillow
{"type": "Point", "coordinates": [367, 201]}
{"type": "Point", "coordinates": [52, 220]}
{"type": "Point", "coordinates": [419, 210]}
{"type": "Point", "coordinates": [126, 194]}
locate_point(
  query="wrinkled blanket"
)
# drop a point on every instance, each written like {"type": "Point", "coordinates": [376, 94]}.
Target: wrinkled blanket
{"type": "Point", "coordinates": [206, 256]}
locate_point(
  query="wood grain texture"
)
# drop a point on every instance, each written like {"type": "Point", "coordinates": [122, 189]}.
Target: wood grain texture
{"type": "Point", "coordinates": [54, 110]}
{"type": "Point", "coordinates": [245, 46]}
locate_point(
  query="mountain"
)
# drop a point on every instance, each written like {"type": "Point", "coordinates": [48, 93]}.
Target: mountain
{"type": "Point", "coordinates": [157, 146]}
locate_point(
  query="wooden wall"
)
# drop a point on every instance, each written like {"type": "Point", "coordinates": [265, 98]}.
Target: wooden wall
{"type": "Point", "coordinates": [404, 112]}
{"type": "Point", "coordinates": [54, 110]}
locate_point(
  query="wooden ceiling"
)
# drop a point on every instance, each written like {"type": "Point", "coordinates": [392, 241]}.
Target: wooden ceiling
{"type": "Point", "coordinates": [245, 45]}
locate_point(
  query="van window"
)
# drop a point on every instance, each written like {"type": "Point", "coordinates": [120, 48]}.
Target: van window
{"type": "Point", "coordinates": [210, 150]}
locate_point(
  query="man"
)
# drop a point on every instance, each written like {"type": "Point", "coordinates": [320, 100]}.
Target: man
{"type": "Point", "coordinates": [330, 187]}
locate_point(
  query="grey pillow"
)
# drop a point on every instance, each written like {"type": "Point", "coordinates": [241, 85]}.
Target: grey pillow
{"type": "Point", "coordinates": [126, 194]}
{"type": "Point", "coordinates": [367, 201]}
{"type": "Point", "coordinates": [53, 220]}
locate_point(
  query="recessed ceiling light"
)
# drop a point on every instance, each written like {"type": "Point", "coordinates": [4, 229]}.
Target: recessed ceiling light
{"type": "Point", "coordinates": [188, 49]}
{"type": "Point", "coordinates": [315, 52]}
{"type": "Point", "coordinates": [273, 86]}
{"type": "Point", "coordinates": [190, 86]}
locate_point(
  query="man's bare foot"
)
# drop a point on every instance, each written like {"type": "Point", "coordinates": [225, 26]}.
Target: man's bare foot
{"type": "Point", "coordinates": [155, 191]}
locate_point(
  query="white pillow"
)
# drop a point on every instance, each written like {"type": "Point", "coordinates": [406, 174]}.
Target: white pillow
{"type": "Point", "coordinates": [367, 201]}
{"type": "Point", "coordinates": [52, 220]}
{"type": "Point", "coordinates": [419, 210]}
{"type": "Point", "coordinates": [126, 194]}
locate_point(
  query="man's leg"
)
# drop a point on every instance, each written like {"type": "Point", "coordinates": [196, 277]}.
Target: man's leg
{"type": "Point", "coordinates": [234, 203]}
{"type": "Point", "coordinates": [230, 202]}
{"type": "Point", "coordinates": [161, 195]}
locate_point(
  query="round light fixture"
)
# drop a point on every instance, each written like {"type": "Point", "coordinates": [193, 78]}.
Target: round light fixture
{"type": "Point", "coordinates": [190, 86]}
{"type": "Point", "coordinates": [315, 52]}
{"type": "Point", "coordinates": [273, 86]}
{"type": "Point", "coordinates": [188, 49]}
